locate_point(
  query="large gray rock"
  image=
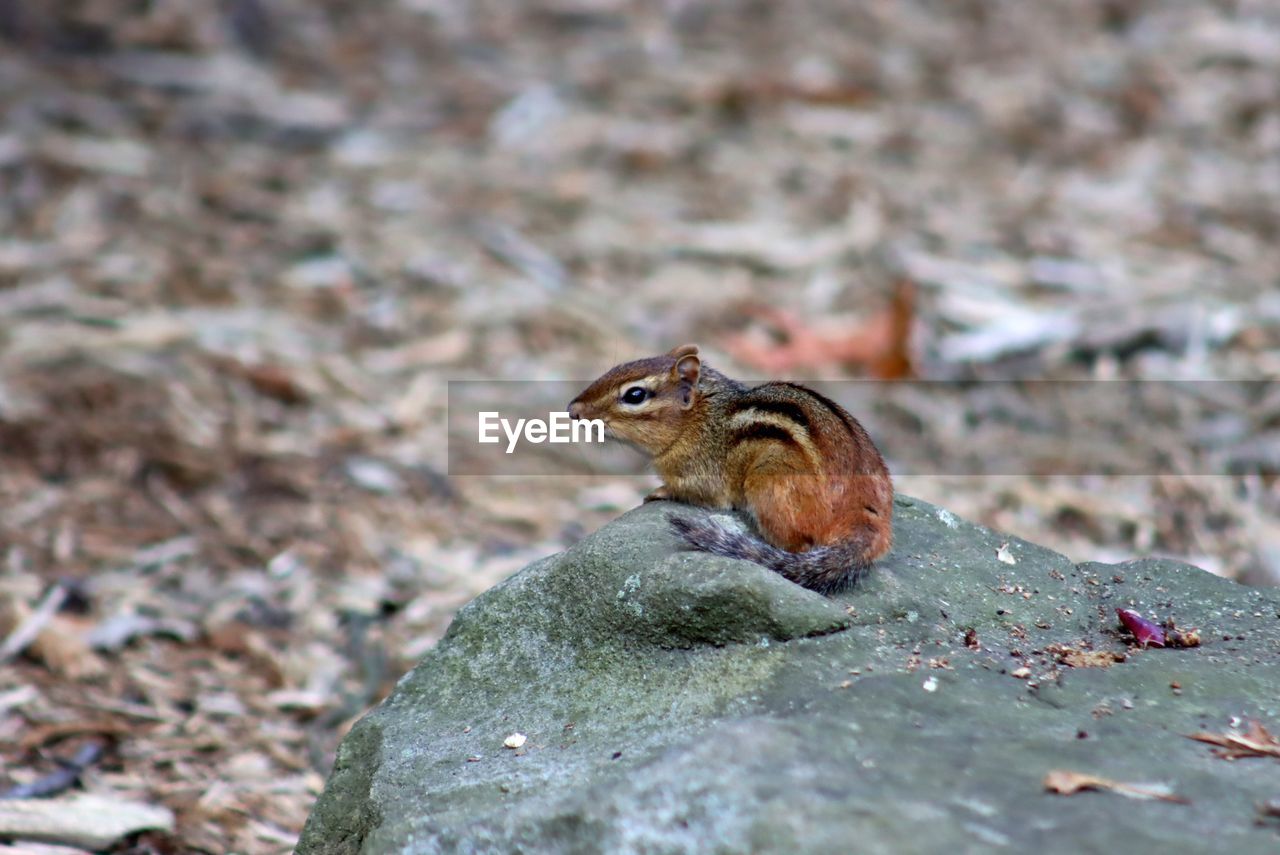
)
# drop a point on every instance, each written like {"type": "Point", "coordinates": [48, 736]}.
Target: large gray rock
{"type": "Point", "coordinates": [677, 702]}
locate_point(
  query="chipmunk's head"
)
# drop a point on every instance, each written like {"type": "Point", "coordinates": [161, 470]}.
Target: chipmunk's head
{"type": "Point", "coordinates": [645, 402]}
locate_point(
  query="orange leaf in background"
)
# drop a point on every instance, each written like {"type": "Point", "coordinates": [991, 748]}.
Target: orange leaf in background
{"type": "Point", "coordinates": [880, 347]}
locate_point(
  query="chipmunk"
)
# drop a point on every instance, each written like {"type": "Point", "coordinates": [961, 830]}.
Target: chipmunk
{"type": "Point", "coordinates": [803, 469]}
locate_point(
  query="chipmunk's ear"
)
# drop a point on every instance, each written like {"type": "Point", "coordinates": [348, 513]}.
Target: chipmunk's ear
{"type": "Point", "coordinates": [683, 350]}
{"type": "Point", "coordinates": [687, 368]}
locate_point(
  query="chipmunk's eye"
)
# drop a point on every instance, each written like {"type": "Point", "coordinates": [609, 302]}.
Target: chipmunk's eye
{"type": "Point", "coordinates": [635, 395]}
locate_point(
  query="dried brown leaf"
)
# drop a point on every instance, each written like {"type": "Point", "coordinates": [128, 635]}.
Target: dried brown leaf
{"type": "Point", "coordinates": [1256, 741]}
{"type": "Point", "coordinates": [1067, 783]}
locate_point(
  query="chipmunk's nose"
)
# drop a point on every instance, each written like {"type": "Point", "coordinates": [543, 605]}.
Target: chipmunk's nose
{"type": "Point", "coordinates": [575, 409]}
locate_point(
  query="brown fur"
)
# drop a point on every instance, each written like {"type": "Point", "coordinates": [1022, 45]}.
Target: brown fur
{"type": "Point", "coordinates": [804, 469]}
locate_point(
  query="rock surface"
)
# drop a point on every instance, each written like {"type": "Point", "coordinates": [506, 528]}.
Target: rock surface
{"type": "Point", "coordinates": [678, 702]}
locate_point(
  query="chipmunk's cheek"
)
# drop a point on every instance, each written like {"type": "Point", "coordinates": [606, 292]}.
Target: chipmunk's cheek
{"type": "Point", "coordinates": [622, 432]}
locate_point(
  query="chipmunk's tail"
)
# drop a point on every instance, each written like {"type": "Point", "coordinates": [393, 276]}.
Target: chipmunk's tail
{"type": "Point", "coordinates": [825, 569]}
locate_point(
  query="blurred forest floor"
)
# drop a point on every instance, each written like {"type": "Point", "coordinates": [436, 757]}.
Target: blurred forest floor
{"type": "Point", "coordinates": [244, 244]}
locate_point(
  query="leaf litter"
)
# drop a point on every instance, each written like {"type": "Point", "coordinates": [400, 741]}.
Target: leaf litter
{"type": "Point", "coordinates": [245, 247]}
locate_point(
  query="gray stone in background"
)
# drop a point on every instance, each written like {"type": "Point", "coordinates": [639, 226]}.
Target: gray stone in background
{"type": "Point", "coordinates": [678, 702]}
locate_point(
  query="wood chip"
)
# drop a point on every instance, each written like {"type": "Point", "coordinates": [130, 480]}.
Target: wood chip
{"type": "Point", "coordinates": [90, 821]}
{"type": "Point", "coordinates": [47, 637]}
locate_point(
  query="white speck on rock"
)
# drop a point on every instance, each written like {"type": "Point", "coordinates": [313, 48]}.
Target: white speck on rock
{"type": "Point", "coordinates": [630, 586]}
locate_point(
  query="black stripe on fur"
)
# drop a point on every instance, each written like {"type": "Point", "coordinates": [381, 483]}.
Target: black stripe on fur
{"type": "Point", "coordinates": [836, 410]}
{"type": "Point", "coordinates": [762, 430]}
{"type": "Point", "coordinates": [789, 410]}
